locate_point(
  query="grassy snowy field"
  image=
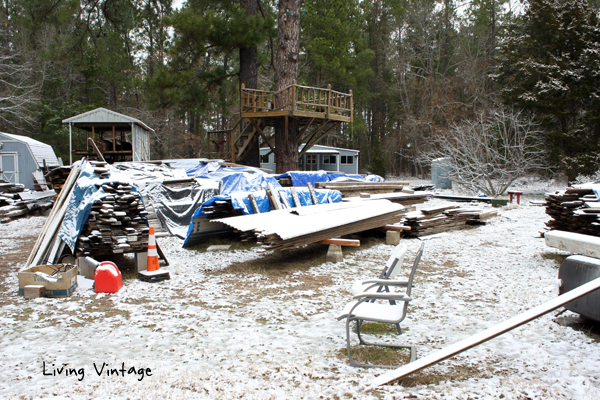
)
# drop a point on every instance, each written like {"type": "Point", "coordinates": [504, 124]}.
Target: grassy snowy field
{"type": "Point", "coordinates": [246, 324]}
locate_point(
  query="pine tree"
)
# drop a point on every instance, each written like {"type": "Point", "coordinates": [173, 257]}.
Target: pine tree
{"type": "Point", "coordinates": [551, 67]}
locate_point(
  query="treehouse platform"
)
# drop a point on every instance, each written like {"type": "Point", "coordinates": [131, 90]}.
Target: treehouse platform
{"type": "Point", "coordinates": [318, 111]}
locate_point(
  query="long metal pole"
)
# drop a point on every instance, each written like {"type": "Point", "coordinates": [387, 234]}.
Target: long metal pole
{"type": "Point", "coordinates": [488, 334]}
{"type": "Point", "coordinates": [70, 144]}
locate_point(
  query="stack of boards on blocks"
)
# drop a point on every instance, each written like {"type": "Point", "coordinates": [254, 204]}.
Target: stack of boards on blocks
{"type": "Point", "coordinates": [117, 223]}
{"type": "Point", "coordinates": [574, 210]}
{"type": "Point", "coordinates": [434, 220]}
{"type": "Point", "coordinates": [17, 202]}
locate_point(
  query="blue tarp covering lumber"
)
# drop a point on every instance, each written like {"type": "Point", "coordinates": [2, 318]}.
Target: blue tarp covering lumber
{"type": "Point", "coordinates": [238, 179]}
{"type": "Point", "coordinates": [302, 178]}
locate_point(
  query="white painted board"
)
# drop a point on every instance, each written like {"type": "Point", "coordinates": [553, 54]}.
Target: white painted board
{"type": "Point", "coordinates": [574, 243]}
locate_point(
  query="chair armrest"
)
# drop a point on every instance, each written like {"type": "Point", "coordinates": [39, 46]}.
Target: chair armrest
{"type": "Point", "coordinates": [382, 296]}
{"type": "Point", "coordinates": [386, 282]}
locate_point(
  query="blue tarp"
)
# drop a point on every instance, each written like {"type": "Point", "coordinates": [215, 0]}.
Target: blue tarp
{"type": "Point", "coordinates": [301, 178]}
{"type": "Point", "coordinates": [240, 201]}
{"type": "Point", "coordinates": [242, 179]}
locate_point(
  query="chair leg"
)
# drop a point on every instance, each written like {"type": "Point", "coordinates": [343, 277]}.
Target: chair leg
{"type": "Point", "coordinates": [399, 329]}
{"type": "Point", "coordinates": [354, 363]}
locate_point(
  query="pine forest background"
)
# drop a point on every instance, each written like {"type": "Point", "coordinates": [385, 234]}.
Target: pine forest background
{"type": "Point", "coordinates": [418, 69]}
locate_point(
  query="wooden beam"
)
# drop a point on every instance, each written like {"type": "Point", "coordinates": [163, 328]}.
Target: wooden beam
{"type": "Point", "coordinates": [341, 242]}
{"type": "Point", "coordinates": [396, 228]}
{"type": "Point", "coordinates": [262, 134]}
{"type": "Point", "coordinates": [303, 131]}
{"type": "Point", "coordinates": [273, 198]}
{"type": "Point", "coordinates": [295, 197]}
{"type": "Point", "coordinates": [574, 243]}
{"type": "Point", "coordinates": [488, 334]}
{"type": "Point", "coordinates": [316, 139]}
{"type": "Point", "coordinates": [254, 204]}
{"type": "Point", "coordinates": [96, 150]}
{"type": "Point", "coordinates": [310, 137]}
{"type": "Point", "coordinates": [313, 195]}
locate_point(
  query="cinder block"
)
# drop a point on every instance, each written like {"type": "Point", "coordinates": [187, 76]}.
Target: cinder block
{"type": "Point", "coordinates": [392, 237]}
{"type": "Point", "coordinates": [334, 253]}
{"type": "Point", "coordinates": [141, 261]}
{"type": "Point", "coordinates": [84, 269]}
{"type": "Point", "coordinates": [34, 291]}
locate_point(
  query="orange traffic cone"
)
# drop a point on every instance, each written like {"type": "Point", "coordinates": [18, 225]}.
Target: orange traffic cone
{"type": "Point", "coordinates": [152, 253]}
{"type": "Point", "coordinates": [153, 272]}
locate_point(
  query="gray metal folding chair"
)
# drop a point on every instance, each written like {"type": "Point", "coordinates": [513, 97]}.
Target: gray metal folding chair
{"type": "Point", "coordinates": [385, 305]}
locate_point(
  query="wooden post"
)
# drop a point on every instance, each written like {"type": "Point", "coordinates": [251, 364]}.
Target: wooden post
{"type": "Point", "coordinates": [242, 97]}
{"type": "Point", "coordinates": [351, 106]}
{"type": "Point", "coordinates": [294, 97]}
{"type": "Point", "coordinates": [313, 195]}
{"type": "Point", "coordinates": [232, 145]}
{"type": "Point", "coordinates": [295, 197]}
{"type": "Point", "coordinates": [254, 204]}
{"type": "Point", "coordinates": [114, 139]}
{"type": "Point", "coordinates": [328, 101]}
{"type": "Point", "coordinates": [273, 198]}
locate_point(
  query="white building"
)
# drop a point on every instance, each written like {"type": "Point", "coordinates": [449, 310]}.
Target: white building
{"type": "Point", "coordinates": [318, 158]}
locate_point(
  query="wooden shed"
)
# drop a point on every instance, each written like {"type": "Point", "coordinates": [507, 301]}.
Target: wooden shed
{"type": "Point", "coordinates": [117, 137]}
{"type": "Point", "coordinates": [21, 156]}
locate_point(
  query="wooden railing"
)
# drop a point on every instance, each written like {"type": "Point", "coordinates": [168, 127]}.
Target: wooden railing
{"type": "Point", "coordinates": [298, 100]}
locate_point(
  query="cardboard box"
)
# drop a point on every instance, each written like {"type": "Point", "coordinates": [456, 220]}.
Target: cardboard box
{"type": "Point", "coordinates": [59, 280]}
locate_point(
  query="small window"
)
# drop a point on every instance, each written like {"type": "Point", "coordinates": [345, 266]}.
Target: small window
{"type": "Point", "coordinates": [264, 159]}
{"type": "Point", "coordinates": [327, 159]}
{"type": "Point", "coordinates": [300, 160]}
{"type": "Point", "coordinates": [311, 159]}
{"type": "Point", "coordinates": [346, 160]}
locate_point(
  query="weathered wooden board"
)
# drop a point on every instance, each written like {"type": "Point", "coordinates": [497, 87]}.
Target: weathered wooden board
{"type": "Point", "coordinates": [574, 243]}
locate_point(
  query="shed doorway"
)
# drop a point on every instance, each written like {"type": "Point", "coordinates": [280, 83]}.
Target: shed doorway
{"type": "Point", "coordinates": [9, 171]}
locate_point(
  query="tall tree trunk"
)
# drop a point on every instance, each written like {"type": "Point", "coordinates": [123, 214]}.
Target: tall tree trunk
{"type": "Point", "coordinates": [249, 77]}
{"type": "Point", "coordinates": [377, 82]}
{"type": "Point", "coordinates": [286, 74]}
{"type": "Point", "coordinates": [492, 52]}
{"type": "Point", "coordinates": [446, 37]}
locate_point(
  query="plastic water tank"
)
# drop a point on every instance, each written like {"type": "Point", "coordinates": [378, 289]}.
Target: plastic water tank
{"type": "Point", "coordinates": [440, 173]}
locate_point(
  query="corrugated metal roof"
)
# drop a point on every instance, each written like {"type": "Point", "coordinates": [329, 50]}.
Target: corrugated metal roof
{"type": "Point", "coordinates": [103, 115]}
{"type": "Point", "coordinates": [317, 151]}
{"type": "Point", "coordinates": [321, 147]}
{"type": "Point", "coordinates": [294, 222]}
{"type": "Point", "coordinates": [41, 151]}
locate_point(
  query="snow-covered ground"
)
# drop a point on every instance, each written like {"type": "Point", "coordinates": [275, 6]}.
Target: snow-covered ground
{"type": "Point", "coordinates": [221, 330]}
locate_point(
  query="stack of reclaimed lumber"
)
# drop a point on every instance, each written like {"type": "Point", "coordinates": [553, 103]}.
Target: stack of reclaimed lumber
{"type": "Point", "coordinates": [57, 177]}
{"type": "Point", "coordinates": [221, 209]}
{"type": "Point", "coordinates": [288, 228]}
{"type": "Point", "coordinates": [396, 197]}
{"type": "Point", "coordinates": [16, 202]}
{"type": "Point", "coordinates": [7, 187]}
{"type": "Point", "coordinates": [355, 188]}
{"type": "Point", "coordinates": [117, 223]}
{"type": "Point", "coordinates": [434, 220]}
{"type": "Point", "coordinates": [574, 210]}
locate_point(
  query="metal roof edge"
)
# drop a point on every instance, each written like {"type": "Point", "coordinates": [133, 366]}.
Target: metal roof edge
{"type": "Point", "coordinates": [131, 119]}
